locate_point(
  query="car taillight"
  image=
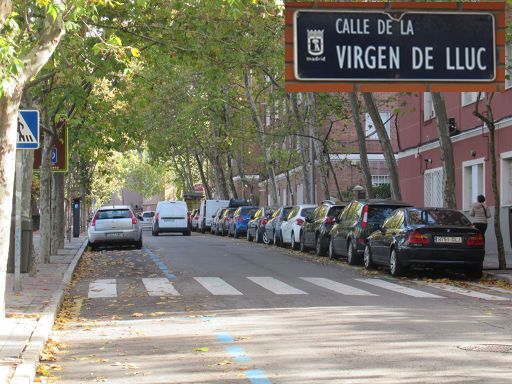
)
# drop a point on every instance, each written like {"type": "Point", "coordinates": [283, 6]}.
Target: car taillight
{"type": "Point", "coordinates": [134, 220]}
{"type": "Point", "coordinates": [156, 216]}
{"type": "Point", "coordinates": [417, 238]}
{"type": "Point", "coordinates": [476, 240]}
{"type": "Point", "coordinates": [93, 222]}
{"type": "Point", "coordinates": [263, 221]}
{"type": "Point", "coordinates": [240, 218]}
{"type": "Point", "coordinates": [299, 221]}
{"type": "Point", "coordinates": [329, 220]}
{"type": "Point", "coordinates": [227, 219]}
{"type": "Point", "coordinates": [364, 223]}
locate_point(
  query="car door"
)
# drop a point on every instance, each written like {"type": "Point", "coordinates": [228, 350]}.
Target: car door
{"type": "Point", "coordinates": [380, 252]}
{"type": "Point", "coordinates": [336, 230]}
{"type": "Point", "coordinates": [308, 227]}
{"type": "Point", "coordinates": [286, 227]}
{"type": "Point", "coordinates": [347, 225]}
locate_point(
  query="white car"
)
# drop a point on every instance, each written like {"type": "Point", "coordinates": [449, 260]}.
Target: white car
{"type": "Point", "coordinates": [114, 225]}
{"type": "Point", "coordinates": [207, 209]}
{"type": "Point", "coordinates": [291, 228]}
{"type": "Point", "coordinates": [171, 216]}
{"type": "Point", "coordinates": [147, 219]}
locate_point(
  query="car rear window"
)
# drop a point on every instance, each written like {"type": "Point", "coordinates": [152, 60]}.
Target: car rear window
{"type": "Point", "coordinates": [148, 214]}
{"type": "Point", "coordinates": [248, 211]}
{"type": "Point", "coordinates": [307, 211]}
{"type": "Point", "coordinates": [378, 213]}
{"type": "Point", "coordinates": [335, 211]}
{"type": "Point", "coordinates": [113, 214]}
{"type": "Point", "coordinates": [438, 217]}
{"type": "Point", "coordinates": [286, 211]}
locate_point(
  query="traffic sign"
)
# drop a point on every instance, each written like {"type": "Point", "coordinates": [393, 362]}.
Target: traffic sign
{"type": "Point", "coordinates": [28, 130]}
{"type": "Point", "coordinates": [54, 155]}
{"type": "Point", "coordinates": [59, 160]}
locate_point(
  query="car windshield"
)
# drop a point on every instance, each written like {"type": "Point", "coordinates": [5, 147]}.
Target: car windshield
{"type": "Point", "coordinates": [113, 214]}
{"type": "Point", "coordinates": [307, 211]}
{"type": "Point", "coordinates": [248, 211]}
{"type": "Point", "coordinates": [378, 213]}
{"type": "Point", "coordinates": [438, 217]}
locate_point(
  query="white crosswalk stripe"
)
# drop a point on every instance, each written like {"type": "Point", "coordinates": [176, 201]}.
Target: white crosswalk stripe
{"type": "Point", "coordinates": [468, 292]}
{"type": "Point", "coordinates": [159, 286]}
{"type": "Point", "coordinates": [102, 288]}
{"type": "Point", "coordinates": [337, 287]}
{"type": "Point", "coordinates": [276, 286]}
{"type": "Point", "coordinates": [399, 288]}
{"type": "Point", "coordinates": [217, 286]}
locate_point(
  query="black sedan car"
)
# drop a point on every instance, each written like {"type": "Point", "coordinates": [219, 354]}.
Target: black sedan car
{"type": "Point", "coordinates": [273, 226]}
{"type": "Point", "coordinates": [426, 236]}
{"type": "Point", "coordinates": [256, 226]}
{"type": "Point", "coordinates": [315, 231]}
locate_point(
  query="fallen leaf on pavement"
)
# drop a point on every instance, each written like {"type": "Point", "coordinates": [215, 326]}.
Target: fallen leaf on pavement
{"type": "Point", "coordinates": [201, 349]}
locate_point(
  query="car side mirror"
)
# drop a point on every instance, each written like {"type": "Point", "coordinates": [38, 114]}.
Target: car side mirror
{"type": "Point", "coordinates": [213, 216]}
{"type": "Point", "coordinates": [252, 217]}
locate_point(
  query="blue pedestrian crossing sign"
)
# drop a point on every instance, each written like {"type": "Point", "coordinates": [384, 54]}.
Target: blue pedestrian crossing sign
{"type": "Point", "coordinates": [28, 130]}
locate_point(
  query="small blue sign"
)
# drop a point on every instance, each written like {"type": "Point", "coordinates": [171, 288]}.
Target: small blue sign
{"type": "Point", "coordinates": [54, 155]}
{"type": "Point", "coordinates": [28, 130]}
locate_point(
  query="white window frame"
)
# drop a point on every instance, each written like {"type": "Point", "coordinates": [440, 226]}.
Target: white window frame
{"type": "Point", "coordinates": [508, 64]}
{"type": "Point", "coordinates": [369, 127]}
{"type": "Point", "coordinates": [467, 98]}
{"type": "Point", "coordinates": [505, 180]}
{"type": "Point", "coordinates": [426, 173]}
{"type": "Point", "coordinates": [380, 180]}
{"type": "Point", "coordinates": [428, 107]}
{"type": "Point", "coordinates": [468, 197]}
{"type": "Point", "coordinates": [285, 196]}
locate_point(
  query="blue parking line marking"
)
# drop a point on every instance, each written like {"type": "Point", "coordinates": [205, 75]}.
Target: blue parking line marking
{"type": "Point", "coordinates": [257, 376]}
{"type": "Point", "coordinates": [238, 354]}
{"type": "Point", "coordinates": [159, 263]}
{"type": "Point", "coordinates": [224, 337]}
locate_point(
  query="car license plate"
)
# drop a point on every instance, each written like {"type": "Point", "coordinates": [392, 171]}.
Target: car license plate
{"type": "Point", "coordinates": [168, 220]}
{"type": "Point", "coordinates": [114, 234]}
{"type": "Point", "coordinates": [448, 239]}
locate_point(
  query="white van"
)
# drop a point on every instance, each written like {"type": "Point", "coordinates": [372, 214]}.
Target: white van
{"type": "Point", "coordinates": [207, 209]}
{"type": "Point", "coordinates": [171, 216]}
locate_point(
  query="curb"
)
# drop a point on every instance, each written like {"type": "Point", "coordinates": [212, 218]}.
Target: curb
{"type": "Point", "coordinates": [25, 372]}
{"type": "Point", "coordinates": [499, 276]}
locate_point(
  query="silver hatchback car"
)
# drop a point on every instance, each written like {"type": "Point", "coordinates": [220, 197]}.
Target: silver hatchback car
{"type": "Point", "coordinates": [113, 225]}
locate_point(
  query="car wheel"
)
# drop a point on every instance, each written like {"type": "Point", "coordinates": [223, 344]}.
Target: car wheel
{"type": "Point", "coordinates": [368, 261]}
{"type": "Point", "coordinates": [155, 233]}
{"type": "Point", "coordinates": [274, 238]}
{"type": "Point", "coordinates": [91, 246]}
{"type": "Point", "coordinates": [281, 241]}
{"type": "Point", "coordinates": [258, 236]}
{"type": "Point", "coordinates": [332, 252]}
{"type": "Point", "coordinates": [186, 233]}
{"type": "Point", "coordinates": [473, 271]}
{"type": "Point", "coordinates": [138, 244]}
{"type": "Point", "coordinates": [319, 248]}
{"type": "Point", "coordinates": [294, 244]}
{"type": "Point", "coordinates": [249, 236]}
{"type": "Point", "coordinates": [396, 267]}
{"type": "Point", "coordinates": [351, 254]}
{"type": "Point", "coordinates": [302, 246]}
{"type": "Point", "coordinates": [266, 239]}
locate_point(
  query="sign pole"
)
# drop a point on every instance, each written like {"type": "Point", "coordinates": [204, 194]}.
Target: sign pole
{"type": "Point", "coordinates": [17, 286]}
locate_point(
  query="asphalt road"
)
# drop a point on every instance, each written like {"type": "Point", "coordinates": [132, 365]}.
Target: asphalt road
{"type": "Point", "coordinates": [205, 309]}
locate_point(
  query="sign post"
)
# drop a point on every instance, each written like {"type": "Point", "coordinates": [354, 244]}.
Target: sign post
{"type": "Point", "coordinates": [28, 138]}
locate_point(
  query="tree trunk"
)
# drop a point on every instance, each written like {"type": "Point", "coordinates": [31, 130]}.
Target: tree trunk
{"type": "Point", "coordinates": [361, 140]}
{"type": "Point", "coordinates": [57, 239]}
{"type": "Point", "coordinates": [26, 204]}
{"type": "Point", "coordinates": [302, 149]}
{"type": "Point", "coordinates": [203, 177]}
{"type": "Point", "coordinates": [385, 143]}
{"type": "Point", "coordinates": [333, 171]}
{"type": "Point", "coordinates": [320, 155]}
{"type": "Point", "coordinates": [45, 200]}
{"type": "Point", "coordinates": [230, 178]}
{"type": "Point", "coordinates": [261, 138]}
{"type": "Point", "coordinates": [445, 145]}
{"type": "Point", "coordinates": [220, 178]}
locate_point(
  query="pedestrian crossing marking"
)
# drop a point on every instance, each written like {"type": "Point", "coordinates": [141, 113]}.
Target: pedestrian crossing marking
{"type": "Point", "coordinates": [103, 288]}
{"type": "Point", "coordinates": [217, 286]}
{"type": "Point", "coordinates": [468, 292]}
{"type": "Point", "coordinates": [159, 286]}
{"type": "Point", "coordinates": [399, 288]}
{"type": "Point", "coordinates": [276, 286]}
{"type": "Point", "coordinates": [337, 287]}
{"type": "Point", "coordinates": [24, 133]}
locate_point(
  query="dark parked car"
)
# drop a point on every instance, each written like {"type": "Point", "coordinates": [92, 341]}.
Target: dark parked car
{"type": "Point", "coordinates": [428, 236]}
{"type": "Point", "coordinates": [273, 226]}
{"type": "Point", "coordinates": [256, 226]}
{"type": "Point", "coordinates": [357, 221]}
{"type": "Point", "coordinates": [215, 222]}
{"type": "Point", "coordinates": [315, 230]}
{"type": "Point", "coordinates": [225, 221]}
{"type": "Point", "coordinates": [238, 225]}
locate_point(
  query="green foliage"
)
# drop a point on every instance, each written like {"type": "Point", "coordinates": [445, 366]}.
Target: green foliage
{"type": "Point", "coordinates": [382, 191]}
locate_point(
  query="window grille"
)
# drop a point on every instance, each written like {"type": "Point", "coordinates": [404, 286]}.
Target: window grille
{"type": "Point", "coordinates": [380, 179]}
{"type": "Point", "coordinates": [433, 188]}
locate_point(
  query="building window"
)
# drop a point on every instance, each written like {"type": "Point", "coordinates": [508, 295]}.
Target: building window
{"type": "Point", "coordinates": [300, 194]}
{"type": "Point", "coordinates": [470, 97]}
{"type": "Point", "coordinates": [433, 187]}
{"type": "Point", "coordinates": [380, 179]}
{"type": "Point", "coordinates": [285, 195]}
{"type": "Point", "coordinates": [508, 65]}
{"type": "Point", "coordinates": [473, 182]}
{"type": "Point", "coordinates": [428, 107]}
{"type": "Point", "coordinates": [506, 179]}
{"type": "Point", "coordinates": [371, 133]}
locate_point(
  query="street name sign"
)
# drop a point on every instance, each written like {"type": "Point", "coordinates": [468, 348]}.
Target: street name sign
{"type": "Point", "coordinates": [413, 46]}
{"type": "Point", "coordinates": [395, 46]}
{"type": "Point", "coordinates": [28, 130]}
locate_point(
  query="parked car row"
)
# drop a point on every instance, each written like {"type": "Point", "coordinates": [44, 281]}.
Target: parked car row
{"type": "Point", "coordinates": [385, 232]}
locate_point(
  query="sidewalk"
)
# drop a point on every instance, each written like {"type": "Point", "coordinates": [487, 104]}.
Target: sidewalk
{"type": "Point", "coordinates": [31, 313]}
{"type": "Point", "coordinates": [491, 267]}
